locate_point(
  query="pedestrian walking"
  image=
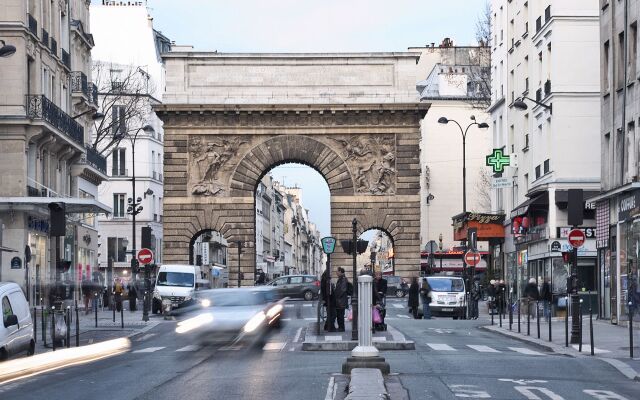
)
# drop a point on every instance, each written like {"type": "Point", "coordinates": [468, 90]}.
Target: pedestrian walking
{"type": "Point", "coordinates": [491, 297]}
{"type": "Point", "coordinates": [118, 290]}
{"type": "Point", "coordinates": [328, 300]}
{"type": "Point", "coordinates": [262, 277]}
{"type": "Point", "coordinates": [501, 293]}
{"type": "Point", "coordinates": [425, 293]}
{"type": "Point", "coordinates": [133, 297]}
{"type": "Point", "coordinates": [414, 301]}
{"type": "Point", "coordinates": [547, 297]}
{"type": "Point", "coordinates": [341, 298]}
{"type": "Point", "coordinates": [87, 292]}
{"type": "Point", "coordinates": [532, 294]}
{"type": "Point", "coordinates": [475, 298]}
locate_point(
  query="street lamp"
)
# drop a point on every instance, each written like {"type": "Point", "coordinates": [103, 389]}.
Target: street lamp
{"type": "Point", "coordinates": [521, 105]}
{"type": "Point", "coordinates": [7, 50]}
{"type": "Point", "coordinates": [482, 125]}
{"type": "Point", "coordinates": [96, 116]}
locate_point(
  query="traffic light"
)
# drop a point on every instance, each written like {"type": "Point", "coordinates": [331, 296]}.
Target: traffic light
{"type": "Point", "coordinates": [361, 246]}
{"type": "Point", "coordinates": [135, 265]}
{"type": "Point", "coordinates": [146, 237]}
{"type": "Point", "coordinates": [57, 219]}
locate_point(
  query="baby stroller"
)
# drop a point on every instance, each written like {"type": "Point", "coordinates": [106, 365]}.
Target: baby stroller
{"type": "Point", "coordinates": [382, 309]}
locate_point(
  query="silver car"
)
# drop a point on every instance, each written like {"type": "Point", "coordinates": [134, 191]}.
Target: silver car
{"type": "Point", "coordinates": [234, 315]}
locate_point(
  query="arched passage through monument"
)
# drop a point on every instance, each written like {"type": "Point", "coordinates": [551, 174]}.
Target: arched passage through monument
{"type": "Point", "coordinates": [215, 155]}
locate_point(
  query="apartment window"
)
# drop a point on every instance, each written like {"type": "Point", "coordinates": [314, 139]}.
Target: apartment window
{"type": "Point", "coordinates": [633, 48]}
{"type": "Point", "coordinates": [620, 62]}
{"type": "Point", "coordinates": [526, 142]}
{"type": "Point", "coordinates": [118, 120]}
{"type": "Point", "coordinates": [118, 205]}
{"type": "Point", "coordinates": [526, 183]}
{"type": "Point", "coordinates": [605, 69]}
{"type": "Point", "coordinates": [118, 162]}
{"type": "Point", "coordinates": [545, 166]}
{"type": "Point", "coordinates": [537, 171]}
{"type": "Point", "coordinates": [153, 164]}
{"type": "Point", "coordinates": [116, 249]}
{"type": "Point", "coordinates": [526, 85]}
{"type": "Point", "coordinates": [547, 14]}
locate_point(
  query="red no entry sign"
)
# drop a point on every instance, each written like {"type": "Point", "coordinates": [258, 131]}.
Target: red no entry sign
{"type": "Point", "coordinates": [576, 238]}
{"type": "Point", "coordinates": [145, 256]}
{"type": "Point", "coordinates": [472, 258]}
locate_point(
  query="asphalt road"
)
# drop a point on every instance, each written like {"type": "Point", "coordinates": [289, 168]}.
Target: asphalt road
{"type": "Point", "coordinates": [453, 359]}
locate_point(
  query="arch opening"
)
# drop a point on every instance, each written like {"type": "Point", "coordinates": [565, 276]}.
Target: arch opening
{"type": "Point", "coordinates": [208, 249]}
{"type": "Point", "coordinates": [379, 256]}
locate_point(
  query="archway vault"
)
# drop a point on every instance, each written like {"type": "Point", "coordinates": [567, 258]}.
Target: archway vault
{"type": "Point", "coordinates": [216, 154]}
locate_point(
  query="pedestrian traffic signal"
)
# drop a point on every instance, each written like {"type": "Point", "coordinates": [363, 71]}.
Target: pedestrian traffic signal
{"type": "Point", "coordinates": [135, 266]}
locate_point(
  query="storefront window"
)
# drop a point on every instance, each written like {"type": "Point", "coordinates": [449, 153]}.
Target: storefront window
{"type": "Point", "coordinates": [560, 273]}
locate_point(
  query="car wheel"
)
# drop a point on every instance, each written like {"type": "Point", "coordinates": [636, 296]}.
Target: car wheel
{"type": "Point", "coordinates": [32, 348]}
{"type": "Point", "coordinates": [308, 295]}
{"type": "Point", "coordinates": [399, 293]}
{"type": "Point", "coordinates": [3, 354]}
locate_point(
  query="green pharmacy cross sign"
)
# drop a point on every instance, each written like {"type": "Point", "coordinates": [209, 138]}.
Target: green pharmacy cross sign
{"type": "Point", "coordinates": [497, 160]}
{"type": "Point", "coordinates": [328, 244]}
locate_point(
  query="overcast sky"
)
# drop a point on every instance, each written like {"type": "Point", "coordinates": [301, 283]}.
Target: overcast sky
{"type": "Point", "coordinates": [314, 26]}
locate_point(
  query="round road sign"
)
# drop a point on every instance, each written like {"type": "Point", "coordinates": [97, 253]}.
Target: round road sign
{"type": "Point", "coordinates": [576, 238]}
{"type": "Point", "coordinates": [145, 256]}
{"type": "Point", "coordinates": [472, 258]}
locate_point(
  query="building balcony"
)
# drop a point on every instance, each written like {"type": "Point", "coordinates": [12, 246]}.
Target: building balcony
{"type": "Point", "coordinates": [45, 38]}
{"type": "Point", "coordinates": [79, 83]}
{"type": "Point", "coordinates": [66, 59]}
{"type": "Point", "coordinates": [54, 47]}
{"type": "Point", "coordinates": [93, 94]}
{"type": "Point", "coordinates": [95, 160]}
{"type": "Point", "coordinates": [33, 25]}
{"type": "Point", "coordinates": [41, 108]}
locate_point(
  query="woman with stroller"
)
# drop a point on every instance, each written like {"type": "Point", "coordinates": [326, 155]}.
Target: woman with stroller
{"type": "Point", "coordinates": [378, 299]}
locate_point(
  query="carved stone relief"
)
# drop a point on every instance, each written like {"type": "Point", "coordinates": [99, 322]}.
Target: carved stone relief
{"type": "Point", "coordinates": [209, 164]}
{"type": "Point", "coordinates": [372, 161]}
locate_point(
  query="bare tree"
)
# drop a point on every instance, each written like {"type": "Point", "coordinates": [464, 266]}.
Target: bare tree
{"type": "Point", "coordinates": [480, 60]}
{"type": "Point", "coordinates": [483, 190]}
{"type": "Point", "coordinates": [483, 26]}
{"type": "Point", "coordinates": [124, 97]}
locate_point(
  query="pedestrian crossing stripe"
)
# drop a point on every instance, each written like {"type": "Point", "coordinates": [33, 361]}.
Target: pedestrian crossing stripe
{"type": "Point", "coordinates": [524, 350]}
{"type": "Point", "coordinates": [441, 347]}
{"type": "Point", "coordinates": [398, 305]}
{"type": "Point", "coordinates": [190, 347]}
{"type": "Point", "coordinates": [586, 348]}
{"type": "Point", "coordinates": [483, 349]}
{"type": "Point", "coordinates": [149, 350]}
{"type": "Point", "coordinates": [274, 346]}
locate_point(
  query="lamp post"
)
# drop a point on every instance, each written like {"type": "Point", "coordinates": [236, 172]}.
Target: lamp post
{"type": "Point", "coordinates": [440, 248]}
{"type": "Point", "coordinates": [521, 105]}
{"type": "Point", "coordinates": [482, 125]}
{"type": "Point", "coordinates": [7, 50]}
{"type": "Point", "coordinates": [134, 202]}
{"type": "Point", "coordinates": [354, 297]}
{"type": "Point", "coordinates": [239, 243]}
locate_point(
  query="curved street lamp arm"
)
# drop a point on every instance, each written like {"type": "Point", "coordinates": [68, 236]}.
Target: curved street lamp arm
{"type": "Point", "coordinates": [546, 106]}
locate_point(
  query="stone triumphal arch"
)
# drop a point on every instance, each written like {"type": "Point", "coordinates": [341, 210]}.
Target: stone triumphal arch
{"type": "Point", "coordinates": [230, 118]}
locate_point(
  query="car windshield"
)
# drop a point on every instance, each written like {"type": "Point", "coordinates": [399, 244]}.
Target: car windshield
{"type": "Point", "coordinates": [237, 298]}
{"type": "Point", "coordinates": [183, 279]}
{"type": "Point", "coordinates": [446, 285]}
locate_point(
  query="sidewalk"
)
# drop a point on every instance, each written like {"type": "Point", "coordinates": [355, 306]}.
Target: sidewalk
{"type": "Point", "coordinates": [391, 339]}
{"type": "Point", "coordinates": [611, 342]}
{"type": "Point", "coordinates": [106, 328]}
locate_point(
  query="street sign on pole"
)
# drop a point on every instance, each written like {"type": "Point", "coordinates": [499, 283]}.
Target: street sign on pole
{"type": "Point", "coordinates": [145, 256]}
{"type": "Point", "coordinates": [500, 183]}
{"type": "Point", "coordinates": [472, 258]}
{"type": "Point", "coordinates": [328, 244]}
{"type": "Point", "coordinates": [576, 238]}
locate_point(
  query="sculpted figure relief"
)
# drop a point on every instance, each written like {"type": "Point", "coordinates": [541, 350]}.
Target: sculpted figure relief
{"type": "Point", "coordinates": [374, 163]}
{"type": "Point", "coordinates": [207, 160]}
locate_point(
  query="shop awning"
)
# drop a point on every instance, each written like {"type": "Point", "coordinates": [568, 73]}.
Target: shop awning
{"type": "Point", "coordinates": [73, 205]}
{"type": "Point", "coordinates": [521, 209]}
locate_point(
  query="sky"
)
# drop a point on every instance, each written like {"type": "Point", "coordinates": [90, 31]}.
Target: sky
{"type": "Point", "coordinates": [290, 26]}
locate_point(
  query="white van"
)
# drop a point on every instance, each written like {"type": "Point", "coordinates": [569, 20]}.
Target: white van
{"type": "Point", "coordinates": [176, 283]}
{"type": "Point", "coordinates": [16, 330]}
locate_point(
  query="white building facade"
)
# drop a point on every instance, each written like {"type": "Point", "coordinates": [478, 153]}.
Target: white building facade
{"type": "Point", "coordinates": [545, 54]}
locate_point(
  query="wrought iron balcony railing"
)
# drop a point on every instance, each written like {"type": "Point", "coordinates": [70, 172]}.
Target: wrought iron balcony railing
{"type": "Point", "coordinates": [39, 107]}
{"type": "Point", "coordinates": [66, 59]}
{"type": "Point", "coordinates": [539, 94]}
{"type": "Point", "coordinates": [33, 25]}
{"type": "Point", "coordinates": [45, 37]}
{"type": "Point", "coordinates": [79, 83]}
{"type": "Point", "coordinates": [93, 94]}
{"type": "Point", "coordinates": [54, 47]}
{"type": "Point", "coordinates": [547, 88]}
{"type": "Point", "coordinates": [94, 159]}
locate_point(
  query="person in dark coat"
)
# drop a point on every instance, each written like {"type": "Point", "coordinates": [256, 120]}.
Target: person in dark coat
{"type": "Point", "coordinates": [532, 294]}
{"type": "Point", "coordinates": [547, 297]}
{"type": "Point", "coordinates": [133, 296]}
{"type": "Point", "coordinates": [380, 286]}
{"type": "Point", "coordinates": [328, 300]}
{"type": "Point", "coordinates": [425, 293]}
{"type": "Point", "coordinates": [501, 293]}
{"type": "Point", "coordinates": [341, 297]}
{"type": "Point", "coordinates": [414, 292]}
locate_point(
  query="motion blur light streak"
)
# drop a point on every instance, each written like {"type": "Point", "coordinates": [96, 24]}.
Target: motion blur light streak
{"type": "Point", "coordinates": [275, 310]}
{"type": "Point", "coordinates": [205, 303]}
{"type": "Point", "coordinates": [194, 323]}
{"type": "Point", "coordinates": [254, 322]}
{"type": "Point", "coordinates": [25, 367]}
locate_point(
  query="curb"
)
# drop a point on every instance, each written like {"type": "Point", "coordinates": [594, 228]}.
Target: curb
{"type": "Point", "coordinates": [520, 338]}
{"type": "Point", "coordinates": [349, 345]}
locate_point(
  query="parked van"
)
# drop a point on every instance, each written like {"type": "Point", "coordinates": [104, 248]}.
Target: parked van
{"type": "Point", "coordinates": [175, 283]}
{"type": "Point", "coordinates": [16, 330]}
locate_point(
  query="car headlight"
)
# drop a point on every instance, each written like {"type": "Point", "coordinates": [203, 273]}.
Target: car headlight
{"type": "Point", "coordinates": [254, 322]}
{"type": "Point", "coordinates": [193, 323]}
{"type": "Point", "coordinates": [205, 302]}
{"type": "Point", "coordinates": [275, 310]}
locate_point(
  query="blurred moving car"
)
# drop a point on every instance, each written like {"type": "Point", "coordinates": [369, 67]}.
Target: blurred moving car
{"type": "Point", "coordinates": [234, 315]}
{"type": "Point", "coordinates": [297, 286]}
{"type": "Point", "coordinates": [447, 296]}
{"type": "Point", "coordinates": [396, 286]}
{"type": "Point", "coordinates": [16, 330]}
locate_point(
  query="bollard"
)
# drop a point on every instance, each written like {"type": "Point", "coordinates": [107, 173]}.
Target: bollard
{"type": "Point", "coordinates": [113, 306]}
{"type": "Point", "coordinates": [35, 325]}
{"type": "Point", "coordinates": [500, 317]}
{"type": "Point", "coordinates": [68, 340]}
{"type": "Point", "coordinates": [122, 316]}
{"type": "Point", "coordinates": [538, 317]}
{"type": "Point", "coordinates": [77, 326]}
{"type": "Point", "coordinates": [580, 314]}
{"type": "Point", "coordinates": [491, 312]}
{"type": "Point", "coordinates": [510, 311]}
{"type": "Point", "coordinates": [528, 318]}
{"type": "Point", "coordinates": [95, 307]}
{"type": "Point", "coordinates": [44, 325]}
{"type": "Point", "coordinates": [630, 330]}
{"type": "Point", "coordinates": [53, 328]}
{"type": "Point", "coordinates": [591, 329]}
{"type": "Point", "coordinates": [519, 302]}
{"type": "Point", "coordinates": [549, 321]}
{"type": "Point", "coordinates": [365, 346]}
{"type": "Point", "coordinates": [566, 324]}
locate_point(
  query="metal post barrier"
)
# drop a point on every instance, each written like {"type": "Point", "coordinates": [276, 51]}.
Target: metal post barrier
{"type": "Point", "coordinates": [68, 339]}
{"type": "Point", "coordinates": [591, 329]}
{"type": "Point", "coordinates": [35, 324]}
{"type": "Point", "coordinates": [629, 305]}
{"type": "Point", "coordinates": [53, 327]}
{"type": "Point", "coordinates": [77, 326]}
{"type": "Point", "coordinates": [519, 302]}
{"type": "Point", "coordinates": [491, 311]}
{"type": "Point", "coordinates": [44, 325]}
{"type": "Point", "coordinates": [580, 319]}
{"type": "Point", "coordinates": [549, 321]}
{"type": "Point", "coordinates": [122, 316]}
{"type": "Point", "coordinates": [113, 302]}
{"type": "Point", "coordinates": [95, 306]}
{"type": "Point", "coordinates": [528, 317]}
{"type": "Point", "coordinates": [566, 324]}
{"type": "Point", "coordinates": [510, 311]}
{"type": "Point", "coordinates": [538, 317]}
{"type": "Point", "coordinates": [500, 317]}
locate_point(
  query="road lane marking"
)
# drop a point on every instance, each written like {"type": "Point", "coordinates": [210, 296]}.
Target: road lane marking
{"type": "Point", "coordinates": [145, 337]}
{"type": "Point", "coordinates": [274, 346]}
{"type": "Point", "coordinates": [297, 337]}
{"type": "Point", "coordinates": [527, 391]}
{"type": "Point", "coordinates": [398, 305]}
{"type": "Point", "coordinates": [483, 349]}
{"type": "Point", "coordinates": [289, 305]}
{"type": "Point", "coordinates": [285, 319]}
{"type": "Point", "coordinates": [149, 350]}
{"type": "Point", "coordinates": [472, 391]}
{"type": "Point", "coordinates": [191, 347]}
{"type": "Point", "coordinates": [604, 394]}
{"type": "Point", "coordinates": [307, 305]}
{"type": "Point", "coordinates": [524, 350]}
{"type": "Point", "coordinates": [441, 347]}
